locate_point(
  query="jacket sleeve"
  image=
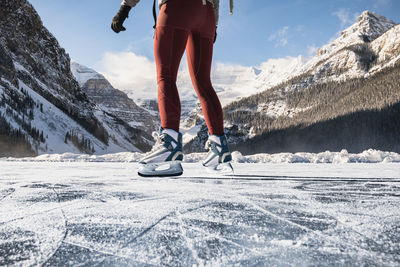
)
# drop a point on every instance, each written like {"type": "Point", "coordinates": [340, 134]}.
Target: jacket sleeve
{"type": "Point", "coordinates": [216, 11]}
{"type": "Point", "coordinates": [130, 3]}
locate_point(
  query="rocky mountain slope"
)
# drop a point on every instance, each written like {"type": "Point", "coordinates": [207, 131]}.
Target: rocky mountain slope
{"type": "Point", "coordinates": [351, 55]}
{"type": "Point", "coordinates": [327, 103]}
{"type": "Point", "coordinates": [100, 91]}
{"type": "Point", "coordinates": [42, 107]}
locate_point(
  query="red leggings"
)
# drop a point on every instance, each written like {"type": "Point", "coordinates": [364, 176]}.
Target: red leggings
{"type": "Point", "coordinates": [186, 24]}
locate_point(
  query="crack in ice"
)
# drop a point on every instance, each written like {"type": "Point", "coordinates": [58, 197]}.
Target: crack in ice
{"type": "Point", "coordinates": [34, 214]}
{"type": "Point", "coordinates": [225, 240]}
{"type": "Point", "coordinates": [10, 193]}
{"type": "Point", "coordinates": [100, 251]}
{"type": "Point", "coordinates": [187, 239]}
{"type": "Point", "coordinates": [318, 233]}
{"type": "Point", "coordinates": [65, 226]}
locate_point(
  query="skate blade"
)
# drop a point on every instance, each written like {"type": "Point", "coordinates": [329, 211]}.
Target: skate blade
{"type": "Point", "coordinates": [223, 169]}
{"type": "Point", "coordinates": [162, 169]}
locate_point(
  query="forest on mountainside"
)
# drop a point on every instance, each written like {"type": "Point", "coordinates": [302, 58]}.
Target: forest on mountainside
{"type": "Point", "coordinates": [355, 132]}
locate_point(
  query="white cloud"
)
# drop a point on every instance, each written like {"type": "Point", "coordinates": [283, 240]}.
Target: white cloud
{"type": "Point", "coordinates": [280, 37]}
{"type": "Point", "coordinates": [134, 74]}
{"type": "Point", "coordinates": [346, 19]}
{"type": "Point", "coordinates": [343, 15]}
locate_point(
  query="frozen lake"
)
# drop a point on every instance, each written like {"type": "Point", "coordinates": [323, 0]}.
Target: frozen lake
{"type": "Point", "coordinates": [88, 213]}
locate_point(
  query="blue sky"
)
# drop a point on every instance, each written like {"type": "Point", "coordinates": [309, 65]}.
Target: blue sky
{"type": "Point", "coordinates": [257, 31]}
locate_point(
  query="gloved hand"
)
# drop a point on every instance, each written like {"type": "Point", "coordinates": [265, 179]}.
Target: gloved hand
{"type": "Point", "coordinates": [118, 20]}
{"type": "Point", "coordinates": [215, 36]}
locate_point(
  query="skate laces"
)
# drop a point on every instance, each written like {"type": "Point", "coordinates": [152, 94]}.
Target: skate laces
{"type": "Point", "coordinates": [159, 139]}
{"type": "Point", "coordinates": [209, 146]}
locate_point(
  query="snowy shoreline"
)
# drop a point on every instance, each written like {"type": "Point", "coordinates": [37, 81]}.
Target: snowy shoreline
{"type": "Point", "coordinates": [367, 156]}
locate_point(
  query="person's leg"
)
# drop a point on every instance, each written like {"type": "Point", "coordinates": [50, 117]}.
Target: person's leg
{"type": "Point", "coordinates": [169, 46]}
{"type": "Point", "coordinates": [199, 52]}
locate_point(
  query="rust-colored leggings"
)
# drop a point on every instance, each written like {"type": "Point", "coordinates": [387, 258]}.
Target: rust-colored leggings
{"type": "Point", "coordinates": [186, 24]}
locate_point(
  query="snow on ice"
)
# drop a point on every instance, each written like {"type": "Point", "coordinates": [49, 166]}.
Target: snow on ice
{"type": "Point", "coordinates": [368, 156]}
{"type": "Point", "coordinates": [58, 210]}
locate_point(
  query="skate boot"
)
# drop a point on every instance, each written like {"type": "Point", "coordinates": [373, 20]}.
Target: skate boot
{"type": "Point", "coordinates": [165, 157]}
{"type": "Point", "coordinates": [218, 158]}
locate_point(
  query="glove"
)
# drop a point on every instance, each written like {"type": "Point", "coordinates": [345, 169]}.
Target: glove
{"type": "Point", "coordinates": [118, 20]}
{"type": "Point", "coordinates": [215, 36]}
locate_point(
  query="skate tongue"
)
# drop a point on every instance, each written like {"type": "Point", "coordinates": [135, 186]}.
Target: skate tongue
{"type": "Point", "coordinates": [215, 139]}
{"type": "Point", "coordinates": [174, 134]}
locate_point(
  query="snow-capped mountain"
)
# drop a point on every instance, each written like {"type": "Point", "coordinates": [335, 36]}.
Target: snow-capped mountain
{"type": "Point", "coordinates": [366, 47]}
{"type": "Point", "coordinates": [42, 107]}
{"type": "Point", "coordinates": [368, 27]}
{"type": "Point", "coordinates": [345, 97]}
{"type": "Point", "coordinates": [112, 100]}
{"type": "Point", "coordinates": [351, 54]}
{"type": "Point", "coordinates": [356, 53]}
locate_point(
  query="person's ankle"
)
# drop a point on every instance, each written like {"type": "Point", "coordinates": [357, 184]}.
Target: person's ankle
{"type": "Point", "coordinates": [174, 134]}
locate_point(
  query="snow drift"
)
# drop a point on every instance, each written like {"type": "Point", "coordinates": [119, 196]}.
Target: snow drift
{"type": "Point", "coordinates": [367, 156]}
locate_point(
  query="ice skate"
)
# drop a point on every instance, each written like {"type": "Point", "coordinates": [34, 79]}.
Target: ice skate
{"type": "Point", "coordinates": [165, 157]}
{"type": "Point", "coordinates": [218, 158]}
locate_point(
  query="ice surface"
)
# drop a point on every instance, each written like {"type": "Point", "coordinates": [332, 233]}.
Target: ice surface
{"type": "Point", "coordinates": [102, 213]}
